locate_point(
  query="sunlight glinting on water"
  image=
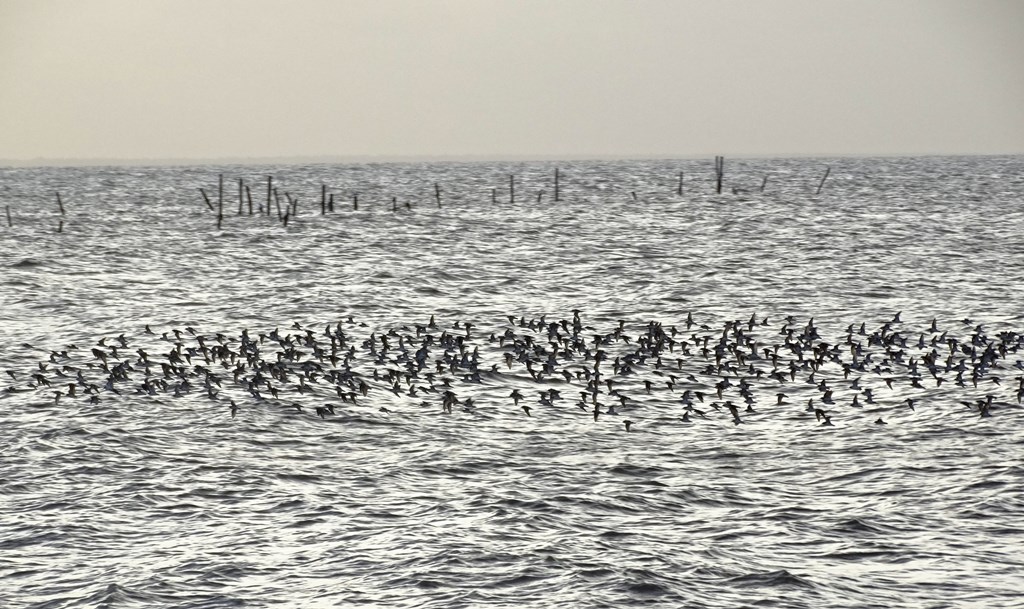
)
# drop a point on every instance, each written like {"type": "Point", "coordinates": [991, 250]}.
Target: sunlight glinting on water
{"type": "Point", "coordinates": [264, 415]}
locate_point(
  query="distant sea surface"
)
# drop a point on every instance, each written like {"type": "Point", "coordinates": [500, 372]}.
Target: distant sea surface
{"type": "Point", "coordinates": [156, 483]}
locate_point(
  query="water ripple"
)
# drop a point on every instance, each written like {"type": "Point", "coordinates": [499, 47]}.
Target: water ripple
{"type": "Point", "coordinates": [146, 500]}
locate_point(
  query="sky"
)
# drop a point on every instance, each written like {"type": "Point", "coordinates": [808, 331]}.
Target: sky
{"type": "Point", "coordinates": [220, 79]}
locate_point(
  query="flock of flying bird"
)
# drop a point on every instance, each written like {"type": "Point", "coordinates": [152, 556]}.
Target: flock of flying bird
{"type": "Point", "coordinates": [688, 372]}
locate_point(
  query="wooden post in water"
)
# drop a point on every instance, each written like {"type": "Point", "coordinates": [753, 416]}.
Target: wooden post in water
{"type": "Point", "coordinates": [540, 193]}
{"type": "Point", "coordinates": [207, 199]}
{"type": "Point", "coordinates": [248, 195]}
{"type": "Point", "coordinates": [330, 203]}
{"type": "Point", "coordinates": [60, 204]}
{"type": "Point", "coordinates": [437, 194]}
{"type": "Point", "coordinates": [823, 178]}
{"type": "Point", "coordinates": [511, 188]}
{"type": "Point", "coordinates": [557, 193]}
{"type": "Point", "coordinates": [220, 206]}
{"type": "Point", "coordinates": [679, 189]}
{"type": "Point", "coordinates": [394, 203]}
{"type": "Point", "coordinates": [719, 173]}
{"type": "Point", "coordinates": [269, 180]}
{"type": "Point", "coordinates": [9, 223]}
{"type": "Point", "coordinates": [323, 199]}
{"type": "Point", "coordinates": [220, 195]}
{"type": "Point", "coordinates": [494, 195]}
{"type": "Point", "coordinates": [60, 227]}
{"type": "Point", "coordinates": [277, 201]}
{"type": "Point", "coordinates": [355, 201]}
{"type": "Point", "coordinates": [634, 194]}
{"type": "Point", "coordinates": [764, 181]}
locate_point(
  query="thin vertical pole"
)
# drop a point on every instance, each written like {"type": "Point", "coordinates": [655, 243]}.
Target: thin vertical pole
{"type": "Point", "coordinates": [679, 189]}
{"type": "Point", "coordinates": [9, 223]}
{"type": "Point", "coordinates": [269, 180]}
{"type": "Point", "coordinates": [60, 204]}
{"type": "Point", "coordinates": [764, 182]}
{"type": "Point", "coordinates": [437, 194]}
{"type": "Point", "coordinates": [323, 199]}
{"type": "Point", "coordinates": [719, 172]}
{"type": "Point", "coordinates": [241, 200]}
{"type": "Point", "coordinates": [248, 195]}
{"type": "Point", "coordinates": [511, 188]}
{"type": "Point", "coordinates": [557, 193]}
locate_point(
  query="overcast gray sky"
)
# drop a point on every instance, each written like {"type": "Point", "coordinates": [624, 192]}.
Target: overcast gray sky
{"type": "Point", "coordinates": [564, 78]}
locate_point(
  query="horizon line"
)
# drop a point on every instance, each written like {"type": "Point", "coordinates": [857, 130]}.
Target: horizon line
{"type": "Point", "coordinates": [444, 158]}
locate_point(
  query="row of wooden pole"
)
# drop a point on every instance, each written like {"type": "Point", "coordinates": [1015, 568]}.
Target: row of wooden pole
{"type": "Point", "coordinates": [327, 199]}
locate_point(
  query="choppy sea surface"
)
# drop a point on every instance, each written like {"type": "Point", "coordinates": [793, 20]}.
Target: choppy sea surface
{"type": "Point", "coordinates": [264, 415]}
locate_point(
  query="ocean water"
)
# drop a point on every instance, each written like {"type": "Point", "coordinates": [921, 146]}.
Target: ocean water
{"type": "Point", "coordinates": [234, 462]}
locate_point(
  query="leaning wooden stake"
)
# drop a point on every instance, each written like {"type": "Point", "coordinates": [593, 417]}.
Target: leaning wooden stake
{"type": "Point", "coordinates": [60, 204]}
{"type": "Point", "coordinates": [437, 194]}
{"type": "Point", "coordinates": [823, 178]}
{"type": "Point", "coordinates": [292, 208]}
{"type": "Point", "coordinates": [207, 199]}
{"type": "Point", "coordinates": [764, 181]}
{"type": "Point", "coordinates": [248, 195]}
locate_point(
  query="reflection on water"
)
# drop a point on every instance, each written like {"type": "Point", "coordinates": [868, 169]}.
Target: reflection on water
{"type": "Point", "coordinates": [146, 499]}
